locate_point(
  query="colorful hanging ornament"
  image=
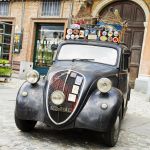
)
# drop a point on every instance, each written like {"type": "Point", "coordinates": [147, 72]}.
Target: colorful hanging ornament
{"type": "Point", "coordinates": [104, 33]}
{"type": "Point", "coordinates": [69, 31]}
{"type": "Point", "coordinates": [116, 33]}
{"type": "Point", "coordinates": [68, 37]}
{"type": "Point", "coordinates": [76, 31]}
{"type": "Point", "coordinates": [72, 36]}
{"type": "Point", "coordinates": [103, 38]}
{"type": "Point", "coordinates": [115, 39]}
{"type": "Point", "coordinates": [110, 39]}
{"type": "Point", "coordinates": [110, 33]}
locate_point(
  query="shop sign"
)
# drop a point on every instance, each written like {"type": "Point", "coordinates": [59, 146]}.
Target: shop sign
{"type": "Point", "coordinates": [17, 42]}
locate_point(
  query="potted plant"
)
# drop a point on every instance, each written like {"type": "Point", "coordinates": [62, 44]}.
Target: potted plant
{"type": "Point", "coordinates": [5, 68]}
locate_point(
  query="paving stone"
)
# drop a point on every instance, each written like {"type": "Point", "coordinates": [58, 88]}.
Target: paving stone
{"type": "Point", "coordinates": [134, 135]}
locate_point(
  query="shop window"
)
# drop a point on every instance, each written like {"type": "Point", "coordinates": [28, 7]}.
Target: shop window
{"type": "Point", "coordinates": [4, 7]}
{"type": "Point", "coordinates": [5, 39]}
{"type": "Point", "coordinates": [51, 8]}
{"type": "Point", "coordinates": [47, 37]}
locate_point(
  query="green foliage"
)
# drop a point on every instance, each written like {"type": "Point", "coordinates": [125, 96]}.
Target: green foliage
{"type": "Point", "coordinates": [4, 61]}
{"type": "Point", "coordinates": [5, 71]}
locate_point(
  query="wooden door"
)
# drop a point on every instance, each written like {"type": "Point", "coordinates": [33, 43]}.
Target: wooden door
{"type": "Point", "coordinates": [135, 17]}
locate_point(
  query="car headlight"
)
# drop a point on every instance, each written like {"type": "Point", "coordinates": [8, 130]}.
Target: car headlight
{"type": "Point", "coordinates": [33, 76]}
{"type": "Point", "coordinates": [104, 85]}
{"type": "Point", "coordinates": [57, 97]}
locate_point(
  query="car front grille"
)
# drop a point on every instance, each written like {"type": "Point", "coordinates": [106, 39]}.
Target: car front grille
{"type": "Point", "coordinates": [70, 83]}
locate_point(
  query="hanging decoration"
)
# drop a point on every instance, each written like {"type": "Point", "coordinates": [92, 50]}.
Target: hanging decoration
{"type": "Point", "coordinates": [110, 28]}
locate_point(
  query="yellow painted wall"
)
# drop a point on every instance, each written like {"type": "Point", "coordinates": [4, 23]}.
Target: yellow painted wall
{"type": "Point", "coordinates": [145, 60]}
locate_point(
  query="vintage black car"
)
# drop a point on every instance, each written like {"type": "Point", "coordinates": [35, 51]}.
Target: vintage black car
{"type": "Point", "coordinates": [86, 87]}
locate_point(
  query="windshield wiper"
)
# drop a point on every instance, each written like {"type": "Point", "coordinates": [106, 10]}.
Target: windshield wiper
{"type": "Point", "coordinates": [83, 60]}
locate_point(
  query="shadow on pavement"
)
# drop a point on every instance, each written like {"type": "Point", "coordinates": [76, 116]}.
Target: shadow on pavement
{"type": "Point", "coordinates": [83, 138]}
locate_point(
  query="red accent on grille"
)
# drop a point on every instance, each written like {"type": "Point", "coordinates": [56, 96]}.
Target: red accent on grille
{"type": "Point", "coordinates": [63, 82]}
{"type": "Point", "coordinates": [59, 84]}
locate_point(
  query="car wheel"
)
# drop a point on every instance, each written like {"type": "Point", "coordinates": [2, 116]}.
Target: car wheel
{"type": "Point", "coordinates": [111, 137]}
{"type": "Point", "coordinates": [25, 125]}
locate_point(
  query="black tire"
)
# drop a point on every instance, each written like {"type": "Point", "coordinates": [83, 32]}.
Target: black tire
{"type": "Point", "coordinates": [111, 137]}
{"type": "Point", "coordinates": [25, 125]}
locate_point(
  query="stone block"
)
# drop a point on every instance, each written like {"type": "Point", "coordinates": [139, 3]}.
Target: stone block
{"type": "Point", "coordinates": [142, 84]}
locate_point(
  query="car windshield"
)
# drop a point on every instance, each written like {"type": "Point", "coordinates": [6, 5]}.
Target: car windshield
{"type": "Point", "coordinates": [105, 55]}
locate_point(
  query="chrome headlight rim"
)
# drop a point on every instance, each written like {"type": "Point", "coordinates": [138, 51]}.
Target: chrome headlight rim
{"type": "Point", "coordinates": [33, 76]}
{"type": "Point", "coordinates": [104, 85]}
{"type": "Point", "coordinates": [57, 95]}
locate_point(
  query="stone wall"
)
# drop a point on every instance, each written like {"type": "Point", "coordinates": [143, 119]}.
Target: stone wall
{"type": "Point", "coordinates": [32, 10]}
{"type": "Point", "coordinates": [148, 3]}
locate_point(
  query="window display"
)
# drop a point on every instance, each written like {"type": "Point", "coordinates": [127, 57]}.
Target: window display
{"type": "Point", "coordinates": [48, 36]}
{"type": "Point", "coordinates": [5, 40]}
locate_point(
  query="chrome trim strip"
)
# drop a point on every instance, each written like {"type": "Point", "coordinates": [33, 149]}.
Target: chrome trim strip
{"type": "Point", "coordinates": [68, 73]}
{"type": "Point", "coordinates": [76, 103]}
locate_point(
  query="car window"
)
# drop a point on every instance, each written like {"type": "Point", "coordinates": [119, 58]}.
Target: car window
{"type": "Point", "coordinates": [105, 55]}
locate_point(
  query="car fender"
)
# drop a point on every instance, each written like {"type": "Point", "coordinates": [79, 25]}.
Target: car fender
{"type": "Point", "coordinates": [94, 117]}
{"type": "Point", "coordinates": [29, 102]}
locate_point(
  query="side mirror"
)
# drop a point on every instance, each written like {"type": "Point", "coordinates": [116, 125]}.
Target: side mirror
{"type": "Point", "coordinates": [125, 61]}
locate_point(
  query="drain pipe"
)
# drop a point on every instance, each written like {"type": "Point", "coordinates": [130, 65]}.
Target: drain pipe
{"type": "Point", "coordinates": [71, 13]}
{"type": "Point", "coordinates": [22, 15]}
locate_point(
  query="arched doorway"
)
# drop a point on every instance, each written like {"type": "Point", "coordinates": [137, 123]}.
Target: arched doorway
{"type": "Point", "coordinates": [135, 17]}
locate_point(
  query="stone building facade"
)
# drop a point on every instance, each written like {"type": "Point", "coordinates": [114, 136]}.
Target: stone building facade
{"type": "Point", "coordinates": [32, 17]}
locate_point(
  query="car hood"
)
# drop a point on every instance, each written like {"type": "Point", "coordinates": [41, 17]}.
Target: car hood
{"type": "Point", "coordinates": [88, 69]}
{"type": "Point", "coordinates": [91, 71]}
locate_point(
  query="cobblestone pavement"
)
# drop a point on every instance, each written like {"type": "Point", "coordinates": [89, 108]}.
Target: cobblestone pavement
{"type": "Point", "coordinates": [135, 132]}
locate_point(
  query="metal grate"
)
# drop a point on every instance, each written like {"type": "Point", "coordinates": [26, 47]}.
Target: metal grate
{"type": "Point", "coordinates": [63, 81]}
{"type": "Point", "coordinates": [51, 8]}
{"type": "Point", "coordinates": [4, 7]}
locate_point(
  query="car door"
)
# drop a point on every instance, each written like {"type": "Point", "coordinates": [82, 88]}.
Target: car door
{"type": "Point", "coordinates": [124, 76]}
